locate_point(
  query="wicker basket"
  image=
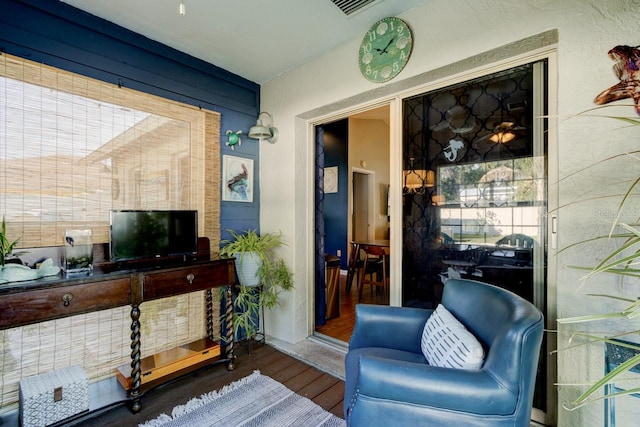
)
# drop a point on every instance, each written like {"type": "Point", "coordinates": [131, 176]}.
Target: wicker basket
{"type": "Point", "coordinates": [53, 396]}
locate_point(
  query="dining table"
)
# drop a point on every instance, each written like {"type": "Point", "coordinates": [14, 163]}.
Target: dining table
{"type": "Point", "coordinates": [356, 245]}
{"type": "Point", "coordinates": [460, 264]}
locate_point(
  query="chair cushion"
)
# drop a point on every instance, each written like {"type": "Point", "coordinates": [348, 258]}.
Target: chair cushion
{"type": "Point", "coordinates": [448, 344]}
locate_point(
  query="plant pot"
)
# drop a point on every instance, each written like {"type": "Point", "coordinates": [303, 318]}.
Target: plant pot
{"type": "Point", "coordinates": [247, 266]}
{"type": "Point", "coordinates": [12, 259]}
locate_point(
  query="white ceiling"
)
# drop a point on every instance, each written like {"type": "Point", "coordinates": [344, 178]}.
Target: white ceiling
{"type": "Point", "coordinates": [256, 39]}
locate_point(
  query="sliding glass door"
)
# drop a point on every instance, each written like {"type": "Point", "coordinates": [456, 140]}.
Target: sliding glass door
{"type": "Point", "coordinates": [474, 189]}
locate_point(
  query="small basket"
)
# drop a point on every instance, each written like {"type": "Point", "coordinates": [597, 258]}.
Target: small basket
{"type": "Point", "coordinates": [53, 396]}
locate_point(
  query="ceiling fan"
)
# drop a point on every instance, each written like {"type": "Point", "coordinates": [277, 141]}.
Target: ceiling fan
{"type": "Point", "coordinates": [458, 119]}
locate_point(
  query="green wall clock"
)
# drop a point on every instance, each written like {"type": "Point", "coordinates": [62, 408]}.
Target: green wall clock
{"type": "Point", "coordinates": [385, 49]}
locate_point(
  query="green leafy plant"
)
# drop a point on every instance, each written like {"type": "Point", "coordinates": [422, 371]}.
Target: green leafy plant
{"type": "Point", "coordinates": [273, 275]}
{"type": "Point", "coordinates": [623, 261]}
{"type": "Point", "coordinates": [6, 246]}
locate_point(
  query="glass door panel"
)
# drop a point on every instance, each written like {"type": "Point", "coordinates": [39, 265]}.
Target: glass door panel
{"type": "Point", "coordinates": [474, 189]}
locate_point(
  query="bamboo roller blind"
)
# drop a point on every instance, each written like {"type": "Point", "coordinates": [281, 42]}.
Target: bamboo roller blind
{"type": "Point", "coordinates": [72, 149]}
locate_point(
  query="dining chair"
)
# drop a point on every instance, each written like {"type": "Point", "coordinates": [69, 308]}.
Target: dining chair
{"type": "Point", "coordinates": [355, 265]}
{"type": "Point", "coordinates": [374, 271]}
{"type": "Point", "coordinates": [516, 240]}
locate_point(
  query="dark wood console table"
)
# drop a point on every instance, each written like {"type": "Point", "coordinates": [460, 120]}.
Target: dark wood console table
{"type": "Point", "coordinates": [23, 303]}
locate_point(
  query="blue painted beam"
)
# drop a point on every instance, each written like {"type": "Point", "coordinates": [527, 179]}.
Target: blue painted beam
{"type": "Point", "coordinates": [56, 34]}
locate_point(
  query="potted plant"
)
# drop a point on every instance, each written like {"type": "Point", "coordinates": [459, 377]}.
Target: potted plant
{"type": "Point", "coordinates": [6, 246]}
{"type": "Point", "coordinates": [622, 261]}
{"type": "Point", "coordinates": [262, 274]}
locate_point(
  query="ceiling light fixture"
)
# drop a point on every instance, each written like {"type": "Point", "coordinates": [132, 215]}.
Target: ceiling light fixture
{"type": "Point", "coordinates": [181, 9]}
{"type": "Point", "coordinates": [503, 133]}
{"type": "Point", "coordinates": [262, 131]}
{"type": "Point", "coordinates": [417, 180]}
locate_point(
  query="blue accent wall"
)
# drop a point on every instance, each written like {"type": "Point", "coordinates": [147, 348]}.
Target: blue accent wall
{"type": "Point", "coordinates": [336, 137]}
{"type": "Point", "coordinates": [59, 35]}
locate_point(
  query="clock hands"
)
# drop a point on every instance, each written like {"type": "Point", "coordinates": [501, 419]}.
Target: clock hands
{"type": "Point", "coordinates": [386, 47]}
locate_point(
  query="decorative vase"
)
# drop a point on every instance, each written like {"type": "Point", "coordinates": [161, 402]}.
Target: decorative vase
{"type": "Point", "coordinates": [247, 266]}
{"type": "Point", "coordinates": [78, 250]}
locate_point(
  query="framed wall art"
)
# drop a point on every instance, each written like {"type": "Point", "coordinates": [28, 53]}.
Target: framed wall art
{"type": "Point", "coordinates": [331, 179]}
{"type": "Point", "coordinates": [237, 179]}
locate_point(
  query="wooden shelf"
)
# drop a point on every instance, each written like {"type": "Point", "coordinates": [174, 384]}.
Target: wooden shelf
{"type": "Point", "coordinates": [108, 393]}
{"type": "Point", "coordinates": [168, 362]}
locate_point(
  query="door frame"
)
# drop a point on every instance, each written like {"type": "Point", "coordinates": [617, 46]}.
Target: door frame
{"type": "Point", "coordinates": [539, 47]}
{"type": "Point", "coordinates": [371, 175]}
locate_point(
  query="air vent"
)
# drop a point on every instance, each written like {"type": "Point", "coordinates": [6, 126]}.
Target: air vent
{"type": "Point", "coordinates": [517, 105]}
{"type": "Point", "coordinates": [351, 6]}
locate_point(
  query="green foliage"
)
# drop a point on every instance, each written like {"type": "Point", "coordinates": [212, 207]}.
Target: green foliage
{"type": "Point", "coordinates": [463, 176]}
{"type": "Point", "coordinates": [275, 277]}
{"type": "Point", "coordinates": [246, 314]}
{"type": "Point", "coordinates": [264, 245]}
{"type": "Point", "coordinates": [621, 261]}
{"type": "Point", "coordinates": [6, 246]}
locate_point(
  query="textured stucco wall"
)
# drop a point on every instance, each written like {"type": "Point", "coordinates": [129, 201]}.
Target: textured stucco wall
{"type": "Point", "coordinates": [447, 31]}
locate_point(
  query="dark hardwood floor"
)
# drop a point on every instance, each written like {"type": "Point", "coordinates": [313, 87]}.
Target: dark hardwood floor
{"type": "Point", "coordinates": [341, 327]}
{"type": "Point", "coordinates": [325, 390]}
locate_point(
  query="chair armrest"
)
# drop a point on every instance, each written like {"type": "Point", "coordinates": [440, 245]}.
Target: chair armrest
{"type": "Point", "coordinates": [443, 388]}
{"type": "Point", "coordinates": [388, 327]}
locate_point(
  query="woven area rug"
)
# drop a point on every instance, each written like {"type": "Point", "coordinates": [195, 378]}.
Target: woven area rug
{"type": "Point", "coordinates": [256, 400]}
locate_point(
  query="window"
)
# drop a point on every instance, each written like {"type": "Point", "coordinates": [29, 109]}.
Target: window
{"type": "Point", "coordinates": [73, 148]}
{"type": "Point", "coordinates": [482, 202]}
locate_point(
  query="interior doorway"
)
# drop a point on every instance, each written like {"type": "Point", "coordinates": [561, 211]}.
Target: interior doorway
{"type": "Point", "coordinates": [360, 217]}
{"type": "Point", "coordinates": [361, 211]}
{"type": "Point", "coordinates": [356, 149]}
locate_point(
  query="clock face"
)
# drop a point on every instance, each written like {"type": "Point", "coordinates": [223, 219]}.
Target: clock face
{"type": "Point", "coordinates": [385, 50]}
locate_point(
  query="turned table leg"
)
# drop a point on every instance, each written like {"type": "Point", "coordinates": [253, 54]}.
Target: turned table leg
{"type": "Point", "coordinates": [209, 305]}
{"type": "Point", "coordinates": [136, 405]}
{"type": "Point", "coordinates": [229, 328]}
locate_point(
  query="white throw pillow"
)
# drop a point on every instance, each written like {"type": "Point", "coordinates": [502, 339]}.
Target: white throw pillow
{"type": "Point", "coordinates": [448, 344]}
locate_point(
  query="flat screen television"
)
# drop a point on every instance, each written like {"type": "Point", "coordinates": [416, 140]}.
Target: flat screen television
{"type": "Point", "coordinates": [147, 234]}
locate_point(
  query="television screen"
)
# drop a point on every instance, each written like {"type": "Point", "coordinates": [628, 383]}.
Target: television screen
{"type": "Point", "coordinates": [140, 234]}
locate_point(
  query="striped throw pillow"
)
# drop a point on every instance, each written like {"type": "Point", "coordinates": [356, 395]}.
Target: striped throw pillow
{"type": "Point", "coordinates": [448, 344]}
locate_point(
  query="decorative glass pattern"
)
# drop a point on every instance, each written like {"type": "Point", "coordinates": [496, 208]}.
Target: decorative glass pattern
{"type": "Point", "coordinates": [476, 139]}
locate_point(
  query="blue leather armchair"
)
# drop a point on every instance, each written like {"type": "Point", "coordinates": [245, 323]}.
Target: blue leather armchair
{"type": "Point", "coordinates": [390, 383]}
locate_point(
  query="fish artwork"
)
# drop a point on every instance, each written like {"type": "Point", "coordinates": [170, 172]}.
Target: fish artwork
{"type": "Point", "coordinates": [238, 183]}
{"type": "Point", "coordinates": [627, 69]}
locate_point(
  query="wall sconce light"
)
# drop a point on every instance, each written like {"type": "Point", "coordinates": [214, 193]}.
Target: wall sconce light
{"type": "Point", "coordinates": [262, 131]}
{"type": "Point", "coordinates": [415, 181]}
{"type": "Point", "coordinates": [182, 10]}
